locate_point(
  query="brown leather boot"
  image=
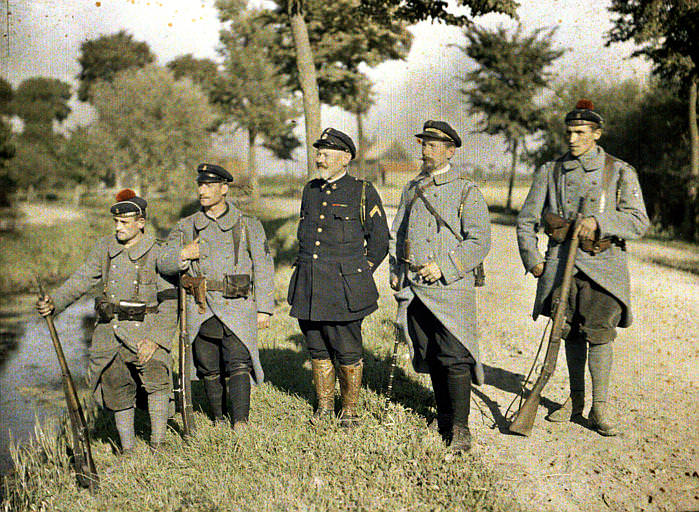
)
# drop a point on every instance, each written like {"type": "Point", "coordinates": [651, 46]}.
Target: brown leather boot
{"type": "Point", "coordinates": [350, 384]}
{"type": "Point", "coordinates": [571, 409]}
{"type": "Point", "coordinates": [324, 382]}
{"type": "Point", "coordinates": [601, 421]}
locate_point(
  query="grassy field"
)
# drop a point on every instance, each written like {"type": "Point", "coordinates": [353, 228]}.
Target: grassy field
{"type": "Point", "coordinates": [391, 462]}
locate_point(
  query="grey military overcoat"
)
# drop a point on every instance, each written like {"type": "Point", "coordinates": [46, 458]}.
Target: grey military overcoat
{"type": "Point", "coordinates": [623, 215]}
{"type": "Point", "coordinates": [216, 259]}
{"type": "Point", "coordinates": [129, 274]}
{"type": "Point", "coordinates": [452, 299]}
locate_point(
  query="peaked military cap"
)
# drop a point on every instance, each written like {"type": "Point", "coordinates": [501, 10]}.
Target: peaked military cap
{"type": "Point", "coordinates": [212, 173]}
{"type": "Point", "coordinates": [128, 203]}
{"type": "Point", "coordinates": [335, 139]}
{"type": "Point", "coordinates": [583, 113]}
{"type": "Point", "coordinates": [439, 130]}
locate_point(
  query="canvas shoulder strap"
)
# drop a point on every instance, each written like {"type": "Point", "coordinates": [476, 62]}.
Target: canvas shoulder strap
{"type": "Point", "coordinates": [607, 175]}
{"type": "Point", "coordinates": [556, 183]}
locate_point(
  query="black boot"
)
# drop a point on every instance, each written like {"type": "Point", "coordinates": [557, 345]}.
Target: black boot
{"type": "Point", "coordinates": [239, 398]}
{"type": "Point", "coordinates": [441, 397]}
{"type": "Point", "coordinates": [459, 386]}
{"type": "Point", "coordinates": [214, 394]}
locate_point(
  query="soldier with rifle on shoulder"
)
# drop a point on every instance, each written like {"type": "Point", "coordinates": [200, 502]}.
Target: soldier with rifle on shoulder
{"type": "Point", "coordinates": [599, 297]}
{"type": "Point", "coordinates": [136, 320]}
{"type": "Point", "coordinates": [229, 280]}
{"type": "Point", "coordinates": [439, 239]}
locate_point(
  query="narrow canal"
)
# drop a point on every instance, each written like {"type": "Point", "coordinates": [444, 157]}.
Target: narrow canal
{"type": "Point", "coordinates": [30, 378]}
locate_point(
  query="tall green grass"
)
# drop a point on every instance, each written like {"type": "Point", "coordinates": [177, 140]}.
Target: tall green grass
{"type": "Point", "coordinates": [282, 462]}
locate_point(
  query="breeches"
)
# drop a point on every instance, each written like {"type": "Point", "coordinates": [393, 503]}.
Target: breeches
{"type": "Point", "coordinates": [592, 313]}
{"type": "Point", "coordinates": [435, 344]}
{"type": "Point", "coordinates": [121, 378]}
{"type": "Point", "coordinates": [217, 350]}
{"type": "Point", "coordinates": [334, 340]}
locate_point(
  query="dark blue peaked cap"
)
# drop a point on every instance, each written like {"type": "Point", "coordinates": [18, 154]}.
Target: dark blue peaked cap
{"type": "Point", "coordinates": [335, 139]}
{"type": "Point", "coordinates": [212, 173]}
{"type": "Point", "coordinates": [128, 203]}
{"type": "Point", "coordinates": [439, 130]}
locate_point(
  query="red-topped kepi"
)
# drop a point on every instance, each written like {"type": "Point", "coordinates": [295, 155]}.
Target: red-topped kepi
{"type": "Point", "coordinates": [128, 203]}
{"type": "Point", "coordinates": [584, 113]}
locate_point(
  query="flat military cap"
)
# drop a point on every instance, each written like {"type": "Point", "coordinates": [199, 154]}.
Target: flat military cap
{"type": "Point", "coordinates": [335, 139]}
{"type": "Point", "coordinates": [583, 113]}
{"type": "Point", "coordinates": [128, 203]}
{"type": "Point", "coordinates": [439, 130]}
{"type": "Point", "coordinates": [211, 173]}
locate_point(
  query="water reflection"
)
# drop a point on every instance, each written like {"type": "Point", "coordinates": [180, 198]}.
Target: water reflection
{"type": "Point", "coordinates": [30, 378]}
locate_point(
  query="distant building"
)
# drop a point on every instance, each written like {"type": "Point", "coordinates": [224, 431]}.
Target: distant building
{"type": "Point", "coordinates": [389, 163]}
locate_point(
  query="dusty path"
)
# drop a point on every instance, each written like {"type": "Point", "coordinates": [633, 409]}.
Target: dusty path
{"type": "Point", "coordinates": [567, 467]}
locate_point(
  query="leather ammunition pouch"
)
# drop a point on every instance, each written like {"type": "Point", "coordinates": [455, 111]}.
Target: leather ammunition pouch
{"type": "Point", "coordinates": [105, 310]}
{"type": "Point", "coordinates": [597, 246]}
{"type": "Point", "coordinates": [124, 310]}
{"type": "Point", "coordinates": [236, 286]}
{"type": "Point", "coordinates": [556, 227]}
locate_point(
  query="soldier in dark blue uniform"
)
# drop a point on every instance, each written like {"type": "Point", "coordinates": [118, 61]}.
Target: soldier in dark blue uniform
{"type": "Point", "coordinates": [343, 237]}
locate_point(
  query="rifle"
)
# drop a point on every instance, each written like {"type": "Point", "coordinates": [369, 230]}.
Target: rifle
{"type": "Point", "coordinates": [524, 421]}
{"type": "Point", "coordinates": [85, 471]}
{"type": "Point", "coordinates": [184, 384]}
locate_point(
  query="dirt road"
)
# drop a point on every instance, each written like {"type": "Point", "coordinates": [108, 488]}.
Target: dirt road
{"type": "Point", "coordinates": [568, 467]}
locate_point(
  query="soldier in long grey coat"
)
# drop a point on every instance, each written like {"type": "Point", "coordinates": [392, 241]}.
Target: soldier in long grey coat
{"type": "Point", "coordinates": [434, 260]}
{"type": "Point", "coordinates": [599, 301]}
{"type": "Point", "coordinates": [229, 273]}
{"type": "Point", "coordinates": [136, 320]}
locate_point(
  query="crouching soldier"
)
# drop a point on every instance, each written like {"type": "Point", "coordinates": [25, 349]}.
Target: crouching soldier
{"type": "Point", "coordinates": [228, 273]}
{"type": "Point", "coordinates": [136, 320]}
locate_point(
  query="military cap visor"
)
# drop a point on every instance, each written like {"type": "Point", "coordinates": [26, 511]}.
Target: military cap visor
{"type": "Point", "coordinates": [583, 116]}
{"type": "Point", "coordinates": [211, 173]}
{"type": "Point", "coordinates": [439, 130]}
{"type": "Point", "coordinates": [335, 139]}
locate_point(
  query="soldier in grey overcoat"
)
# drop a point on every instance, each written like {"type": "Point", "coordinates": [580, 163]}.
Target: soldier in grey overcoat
{"type": "Point", "coordinates": [226, 260]}
{"type": "Point", "coordinates": [608, 191]}
{"type": "Point", "coordinates": [434, 260]}
{"type": "Point", "coordinates": [136, 320]}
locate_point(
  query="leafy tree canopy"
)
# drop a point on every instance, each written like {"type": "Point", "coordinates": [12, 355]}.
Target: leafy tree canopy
{"type": "Point", "coordinates": [155, 126]}
{"type": "Point", "coordinates": [102, 58]}
{"type": "Point", "coordinates": [666, 30]}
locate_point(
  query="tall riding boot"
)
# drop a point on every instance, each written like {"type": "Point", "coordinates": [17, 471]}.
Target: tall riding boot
{"type": "Point", "coordinates": [239, 397]}
{"type": "Point", "coordinates": [572, 408]}
{"type": "Point", "coordinates": [350, 385]}
{"type": "Point", "coordinates": [125, 427]}
{"type": "Point", "coordinates": [600, 363]}
{"type": "Point", "coordinates": [324, 383]}
{"type": "Point", "coordinates": [441, 397]}
{"type": "Point", "coordinates": [213, 386]}
{"type": "Point", "coordinates": [459, 386]}
{"type": "Point", "coordinates": [158, 404]}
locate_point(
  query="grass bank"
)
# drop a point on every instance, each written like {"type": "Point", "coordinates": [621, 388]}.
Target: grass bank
{"type": "Point", "coordinates": [390, 462]}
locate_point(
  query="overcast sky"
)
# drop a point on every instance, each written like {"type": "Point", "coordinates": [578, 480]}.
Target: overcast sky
{"type": "Point", "coordinates": [42, 38]}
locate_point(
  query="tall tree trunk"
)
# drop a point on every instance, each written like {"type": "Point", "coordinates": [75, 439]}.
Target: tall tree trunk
{"type": "Point", "coordinates": [252, 170]}
{"type": "Point", "coordinates": [361, 163]}
{"type": "Point", "coordinates": [307, 77]}
{"type": "Point", "coordinates": [692, 209]}
{"type": "Point", "coordinates": [511, 185]}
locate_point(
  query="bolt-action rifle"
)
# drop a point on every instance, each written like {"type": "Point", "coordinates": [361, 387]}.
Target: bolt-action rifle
{"type": "Point", "coordinates": [524, 421]}
{"type": "Point", "coordinates": [184, 383]}
{"type": "Point", "coordinates": [85, 471]}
